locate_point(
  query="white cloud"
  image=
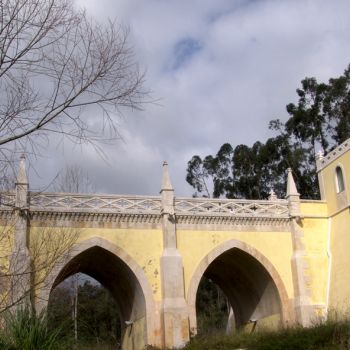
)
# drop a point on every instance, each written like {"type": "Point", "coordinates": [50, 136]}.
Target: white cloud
{"type": "Point", "coordinates": [241, 66]}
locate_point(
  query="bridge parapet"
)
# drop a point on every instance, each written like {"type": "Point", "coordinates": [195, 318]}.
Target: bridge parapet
{"type": "Point", "coordinates": [232, 207]}
{"type": "Point", "coordinates": [7, 200]}
{"type": "Point", "coordinates": [73, 202]}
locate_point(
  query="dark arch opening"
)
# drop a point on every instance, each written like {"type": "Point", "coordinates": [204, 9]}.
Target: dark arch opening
{"type": "Point", "coordinates": [212, 308]}
{"type": "Point", "coordinates": [340, 179]}
{"type": "Point", "coordinates": [85, 313]}
{"type": "Point", "coordinates": [249, 288]}
{"type": "Point", "coordinates": [117, 277]}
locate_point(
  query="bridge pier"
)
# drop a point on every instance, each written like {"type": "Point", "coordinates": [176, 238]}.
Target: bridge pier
{"type": "Point", "coordinates": [302, 302]}
{"type": "Point", "coordinates": [174, 308]}
{"type": "Point", "coordinates": [20, 261]}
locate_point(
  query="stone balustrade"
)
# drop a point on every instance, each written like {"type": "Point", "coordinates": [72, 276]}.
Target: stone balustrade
{"type": "Point", "coordinates": [85, 203]}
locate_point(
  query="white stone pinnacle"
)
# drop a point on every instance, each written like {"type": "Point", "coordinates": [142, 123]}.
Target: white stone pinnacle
{"type": "Point", "coordinates": [272, 195]}
{"type": "Point", "coordinates": [319, 155]}
{"type": "Point", "coordinates": [291, 187]}
{"type": "Point", "coordinates": [22, 172]}
{"type": "Point", "coordinates": [166, 184]}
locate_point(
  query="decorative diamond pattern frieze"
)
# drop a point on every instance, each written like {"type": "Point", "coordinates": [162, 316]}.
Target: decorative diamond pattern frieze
{"type": "Point", "coordinates": [94, 203]}
{"type": "Point", "coordinates": [7, 200]}
{"type": "Point", "coordinates": [232, 207]}
{"type": "Point", "coordinates": [118, 204]}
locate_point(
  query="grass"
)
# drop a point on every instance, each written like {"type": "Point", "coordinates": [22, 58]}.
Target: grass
{"type": "Point", "coordinates": [85, 346]}
{"type": "Point", "coordinates": [329, 335]}
{"type": "Point", "coordinates": [23, 330]}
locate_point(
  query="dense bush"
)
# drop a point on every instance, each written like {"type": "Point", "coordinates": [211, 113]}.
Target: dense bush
{"type": "Point", "coordinates": [24, 330]}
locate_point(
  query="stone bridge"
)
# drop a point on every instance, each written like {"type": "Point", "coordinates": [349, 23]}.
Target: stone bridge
{"type": "Point", "coordinates": [272, 258]}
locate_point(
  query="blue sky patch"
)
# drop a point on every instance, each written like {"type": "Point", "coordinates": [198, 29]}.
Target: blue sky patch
{"type": "Point", "coordinates": [183, 51]}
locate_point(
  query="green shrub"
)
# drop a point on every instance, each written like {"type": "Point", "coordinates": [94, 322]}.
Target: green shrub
{"type": "Point", "coordinates": [24, 330]}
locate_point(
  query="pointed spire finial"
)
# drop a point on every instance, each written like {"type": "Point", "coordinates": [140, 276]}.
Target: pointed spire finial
{"type": "Point", "coordinates": [22, 171]}
{"type": "Point", "coordinates": [319, 159]}
{"type": "Point", "coordinates": [166, 184]}
{"type": "Point", "coordinates": [319, 155]}
{"type": "Point", "coordinates": [291, 187]}
{"type": "Point", "coordinates": [272, 195]}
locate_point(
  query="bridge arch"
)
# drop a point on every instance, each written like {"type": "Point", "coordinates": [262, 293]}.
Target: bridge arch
{"type": "Point", "coordinates": [108, 263]}
{"type": "Point", "coordinates": [227, 263]}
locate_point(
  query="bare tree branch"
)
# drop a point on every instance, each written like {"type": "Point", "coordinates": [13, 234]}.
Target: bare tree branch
{"type": "Point", "coordinates": [48, 246]}
{"type": "Point", "coordinates": [55, 64]}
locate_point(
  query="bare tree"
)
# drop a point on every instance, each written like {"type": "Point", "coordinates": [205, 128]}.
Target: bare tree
{"type": "Point", "coordinates": [20, 281]}
{"type": "Point", "coordinates": [55, 63]}
{"type": "Point", "coordinates": [27, 254]}
{"type": "Point", "coordinates": [73, 179]}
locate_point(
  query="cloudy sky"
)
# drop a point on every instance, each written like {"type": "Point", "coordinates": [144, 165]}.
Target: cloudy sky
{"type": "Point", "coordinates": [220, 69]}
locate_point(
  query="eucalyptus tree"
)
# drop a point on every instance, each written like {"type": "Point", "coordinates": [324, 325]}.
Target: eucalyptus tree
{"type": "Point", "coordinates": [319, 121]}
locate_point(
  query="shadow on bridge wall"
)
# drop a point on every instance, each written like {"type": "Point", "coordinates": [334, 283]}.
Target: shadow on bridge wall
{"type": "Point", "coordinates": [121, 275]}
{"type": "Point", "coordinates": [250, 282]}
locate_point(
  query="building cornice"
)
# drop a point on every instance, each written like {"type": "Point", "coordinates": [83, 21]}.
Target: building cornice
{"type": "Point", "coordinates": [89, 217]}
{"type": "Point", "coordinates": [323, 161]}
{"type": "Point", "coordinates": [215, 220]}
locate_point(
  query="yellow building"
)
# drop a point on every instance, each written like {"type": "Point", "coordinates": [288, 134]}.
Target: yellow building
{"type": "Point", "coordinates": [334, 180]}
{"type": "Point", "coordinates": [279, 261]}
